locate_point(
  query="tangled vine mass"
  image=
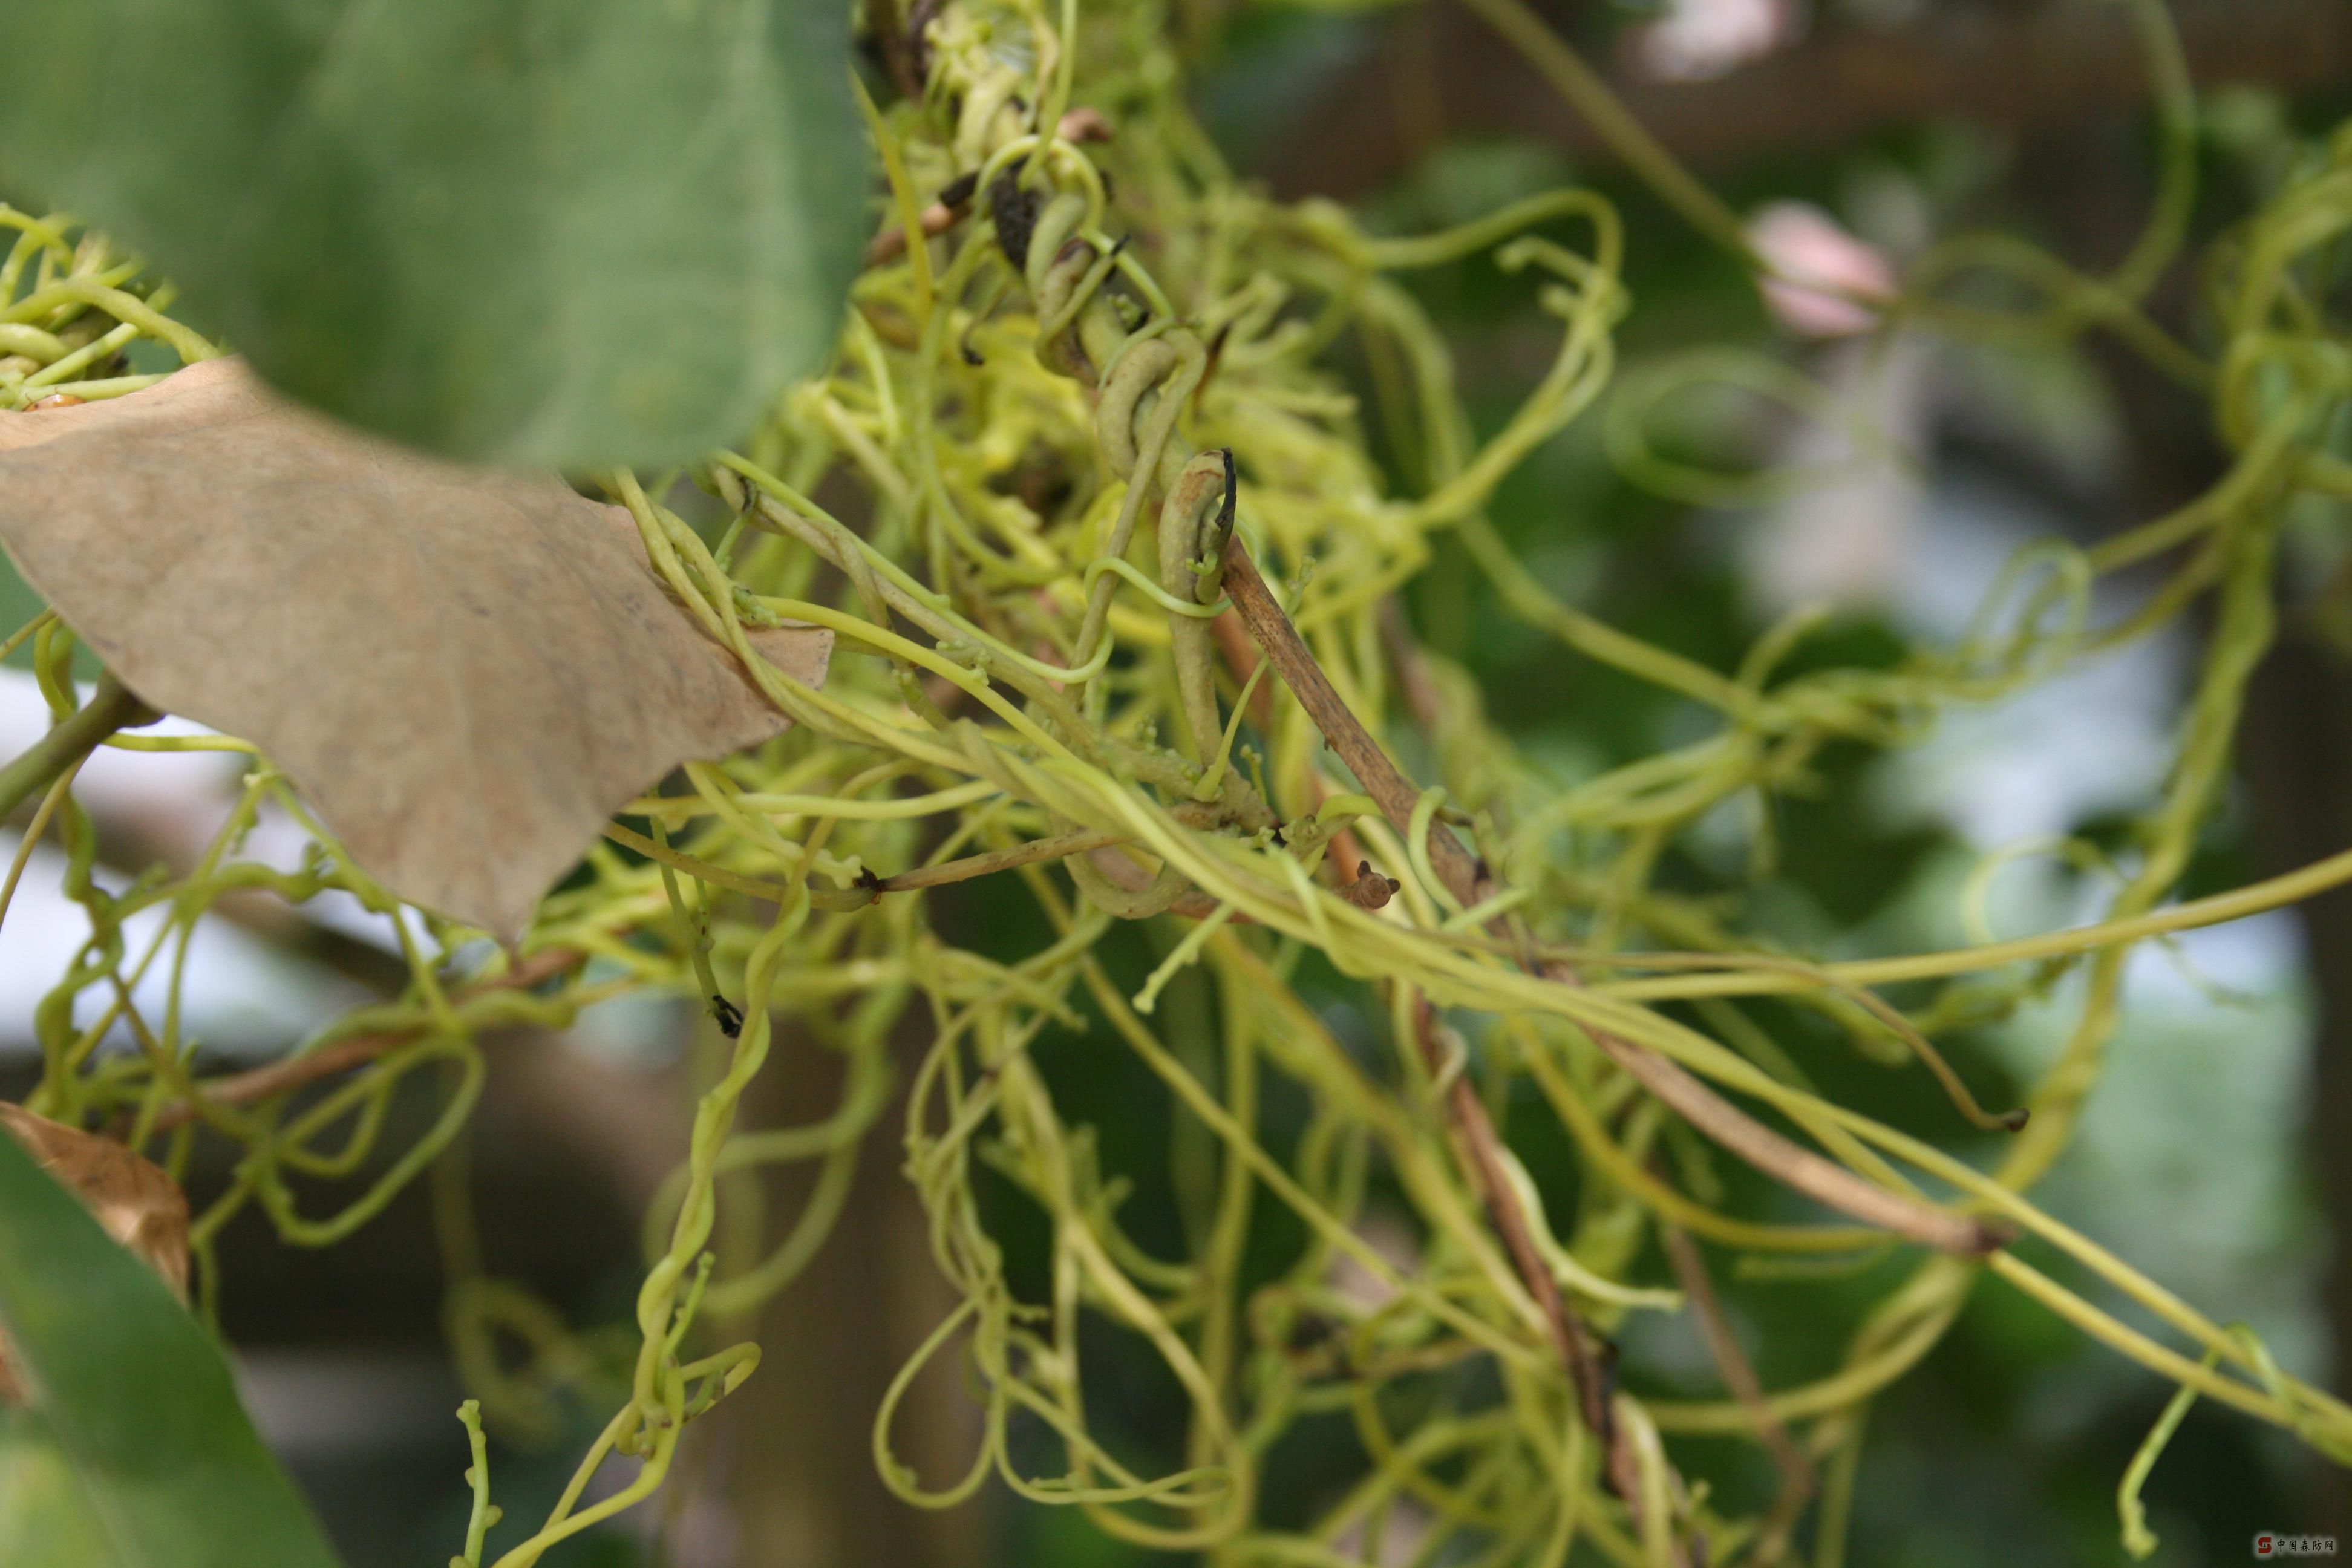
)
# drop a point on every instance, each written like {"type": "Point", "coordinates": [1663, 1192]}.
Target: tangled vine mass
{"type": "Point", "coordinates": [1117, 601]}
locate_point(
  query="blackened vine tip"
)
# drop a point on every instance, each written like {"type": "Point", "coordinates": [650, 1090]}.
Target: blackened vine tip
{"type": "Point", "coordinates": [730, 1016]}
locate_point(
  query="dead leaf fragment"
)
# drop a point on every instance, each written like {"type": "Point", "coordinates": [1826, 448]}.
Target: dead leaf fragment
{"type": "Point", "coordinates": [129, 1196]}
{"type": "Point", "coordinates": [464, 670]}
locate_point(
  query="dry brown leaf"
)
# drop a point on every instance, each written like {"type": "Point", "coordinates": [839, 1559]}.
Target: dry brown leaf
{"type": "Point", "coordinates": [464, 671]}
{"type": "Point", "coordinates": [129, 1196]}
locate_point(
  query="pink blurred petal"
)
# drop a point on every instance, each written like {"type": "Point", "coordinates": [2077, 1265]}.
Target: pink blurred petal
{"type": "Point", "coordinates": [1805, 244]}
{"type": "Point", "coordinates": [1697, 39]}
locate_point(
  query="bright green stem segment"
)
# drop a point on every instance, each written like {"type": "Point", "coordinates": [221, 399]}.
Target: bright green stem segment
{"type": "Point", "coordinates": [35, 769]}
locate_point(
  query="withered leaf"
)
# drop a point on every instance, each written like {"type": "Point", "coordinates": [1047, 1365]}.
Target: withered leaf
{"type": "Point", "coordinates": [130, 1197]}
{"type": "Point", "coordinates": [464, 670]}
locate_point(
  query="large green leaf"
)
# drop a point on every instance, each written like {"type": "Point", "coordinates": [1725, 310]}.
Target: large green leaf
{"type": "Point", "coordinates": [46, 1518]}
{"type": "Point", "coordinates": [546, 232]}
{"type": "Point", "coordinates": [135, 1397]}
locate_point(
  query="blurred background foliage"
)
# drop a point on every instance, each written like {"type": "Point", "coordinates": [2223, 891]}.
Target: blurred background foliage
{"type": "Point", "coordinates": [2212, 1155]}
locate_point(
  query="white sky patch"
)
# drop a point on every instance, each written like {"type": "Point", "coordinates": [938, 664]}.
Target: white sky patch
{"type": "Point", "coordinates": [241, 994]}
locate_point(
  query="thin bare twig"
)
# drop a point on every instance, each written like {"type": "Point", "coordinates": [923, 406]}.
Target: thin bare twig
{"type": "Point", "coordinates": [1423, 699]}
{"type": "Point", "coordinates": [735, 881]}
{"type": "Point", "coordinates": [1243, 658]}
{"type": "Point", "coordinates": [1481, 1151]}
{"type": "Point", "coordinates": [1083, 841]}
{"type": "Point", "coordinates": [277, 1078]}
{"type": "Point", "coordinates": [933, 220]}
{"type": "Point", "coordinates": [1471, 882]}
{"type": "Point", "coordinates": [1797, 1480]}
{"type": "Point", "coordinates": [981, 865]}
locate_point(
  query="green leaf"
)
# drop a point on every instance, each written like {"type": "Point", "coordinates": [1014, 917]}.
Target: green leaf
{"type": "Point", "coordinates": [555, 233]}
{"type": "Point", "coordinates": [44, 1515]}
{"type": "Point", "coordinates": [135, 1397]}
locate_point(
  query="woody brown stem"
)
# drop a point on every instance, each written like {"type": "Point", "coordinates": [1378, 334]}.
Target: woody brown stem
{"type": "Point", "coordinates": [1243, 658]}
{"type": "Point", "coordinates": [1471, 883]}
{"type": "Point", "coordinates": [1481, 1149]}
{"type": "Point", "coordinates": [1797, 1480]}
{"type": "Point", "coordinates": [995, 860]}
{"type": "Point", "coordinates": [933, 220]}
{"type": "Point", "coordinates": [1380, 777]}
{"type": "Point", "coordinates": [278, 1078]}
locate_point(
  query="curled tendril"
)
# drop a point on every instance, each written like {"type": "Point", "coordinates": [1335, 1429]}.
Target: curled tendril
{"type": "Point", "coordinates": [1015, 401]}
